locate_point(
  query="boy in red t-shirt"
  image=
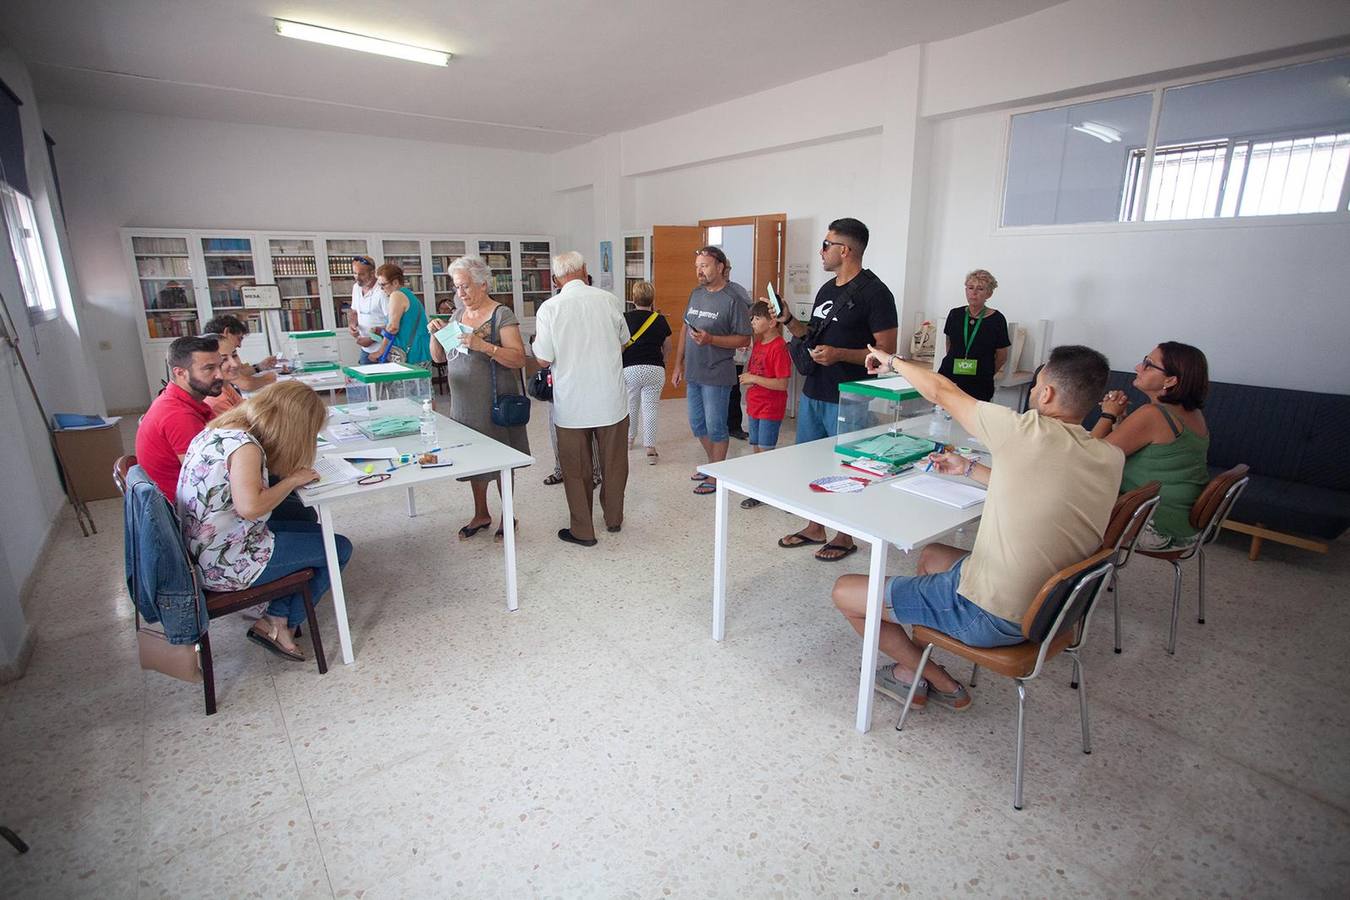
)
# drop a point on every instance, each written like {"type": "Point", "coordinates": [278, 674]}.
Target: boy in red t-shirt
{"type": "Point", "coordinates": [766, 380]}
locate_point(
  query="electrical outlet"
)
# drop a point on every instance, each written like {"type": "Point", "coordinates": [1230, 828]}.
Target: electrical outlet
{"type": "Point", "coordinates": [105, 345]}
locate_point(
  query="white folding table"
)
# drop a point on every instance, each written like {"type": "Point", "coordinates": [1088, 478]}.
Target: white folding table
{"type": "Point", "coordinates": [879, 516]}
{"type": "Point", "coordinates": [472, 453]}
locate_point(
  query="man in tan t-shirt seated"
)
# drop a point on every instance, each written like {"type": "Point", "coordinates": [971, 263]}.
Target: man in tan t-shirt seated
{"type": "Point", "coordinates": [1051, 490]}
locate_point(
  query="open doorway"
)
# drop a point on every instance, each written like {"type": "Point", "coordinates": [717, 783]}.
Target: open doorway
{"type": "Point", "coordinates": [753, 245]}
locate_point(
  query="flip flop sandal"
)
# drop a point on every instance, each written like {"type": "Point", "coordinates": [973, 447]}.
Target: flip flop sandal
{"type": "Point", "coordinates": [470, 530]}
{"type": "Point", "coordinates": [698, 476]}
{"type": "Point", "coordinates": [271, 643]}
{"type": "Point", "coordinates": [706, 487]}
{"type": "Point", "coordinates": [847, 551]}
{"type": "Point", "coordinates": [802, 541]}
{"type": "Point", "coordinates": [555, 478]}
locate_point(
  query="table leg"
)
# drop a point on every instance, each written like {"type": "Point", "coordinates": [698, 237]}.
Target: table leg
{"type": "Point", "coordinates": [412, 504]}
{"type": "Point", "coordinates": [876, 581]}
{"type": "Point", "coordinates": [335, 578]}
{"type": "Point", "coordinates": [509, 540]}
{"type": "Point", "coordinates": [720, 564]}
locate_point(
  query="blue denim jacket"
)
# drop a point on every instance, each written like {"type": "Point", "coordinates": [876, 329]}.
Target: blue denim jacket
{"type": "Point", "coordinates": [160, 575]}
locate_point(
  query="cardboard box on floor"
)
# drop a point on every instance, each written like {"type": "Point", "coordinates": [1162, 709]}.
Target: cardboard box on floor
{"type": "Point", "coordinates": [89, 454]}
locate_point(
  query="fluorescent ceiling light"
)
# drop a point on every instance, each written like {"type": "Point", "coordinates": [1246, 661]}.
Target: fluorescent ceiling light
{"type": "Point", "coordinates": [1104, 133]}
{"type": "Point", "coordinates": [361, 42]}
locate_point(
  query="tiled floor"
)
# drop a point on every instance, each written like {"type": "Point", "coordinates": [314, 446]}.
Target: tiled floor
{"type": "Point", "coordinates": [599, 743]}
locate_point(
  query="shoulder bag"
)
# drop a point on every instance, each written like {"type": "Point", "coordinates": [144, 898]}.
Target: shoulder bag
{"type": "Point", "coordinates": [508, 410]}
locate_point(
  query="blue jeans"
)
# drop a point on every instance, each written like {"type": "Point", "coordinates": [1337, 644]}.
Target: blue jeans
{"type": "Point", "coordinates": [708, 411]}
{"type": "Point", "coordinates": [764, 432]}
{"type": "Point", "coordinates": [932, 600]}
{"type": "Point", "coordinates": [816, 419]}
{"type": "Point", "coordinates": [299, 545]}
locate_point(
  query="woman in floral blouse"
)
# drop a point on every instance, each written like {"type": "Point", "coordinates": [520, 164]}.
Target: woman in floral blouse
{"type": "Point", "coordinates": [224, 504]}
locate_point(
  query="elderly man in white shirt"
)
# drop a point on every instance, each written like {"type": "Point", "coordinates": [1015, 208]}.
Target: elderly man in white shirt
{"type": "Point", "coordinates": [580, 333]}
{"type": "Point", "coordinates": [370, 306]}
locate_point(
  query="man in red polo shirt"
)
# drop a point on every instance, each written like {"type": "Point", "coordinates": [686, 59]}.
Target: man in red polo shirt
{"type": "Point", "coordinates": [179, 413]}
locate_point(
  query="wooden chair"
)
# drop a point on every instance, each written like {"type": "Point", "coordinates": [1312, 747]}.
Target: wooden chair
{"type": "Point", "coordinates": [440, 377]}
{"type": "Point", "coordinates": [222, 603]}
{"type": "Point", "coordinates": [1207, 515]}
{"type": "Point", "coordinates": [1056, 622]}
{"type": "Point", "coordinates": [1132, 512]}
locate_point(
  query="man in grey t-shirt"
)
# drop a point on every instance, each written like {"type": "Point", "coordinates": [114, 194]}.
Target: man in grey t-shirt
{"type": "Point", "coordinates": [716, 323]}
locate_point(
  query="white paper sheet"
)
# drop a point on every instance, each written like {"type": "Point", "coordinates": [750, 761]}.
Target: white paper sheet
{"type": "Point", "coordinates": [954, 493]}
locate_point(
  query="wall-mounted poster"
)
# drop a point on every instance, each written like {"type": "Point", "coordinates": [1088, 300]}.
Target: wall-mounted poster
{"type": "Point", "coordinates": [606, 257]}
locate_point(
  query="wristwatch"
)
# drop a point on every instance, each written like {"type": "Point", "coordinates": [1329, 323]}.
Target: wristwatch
{"type": "Point", "coordinates": [1110, 417]}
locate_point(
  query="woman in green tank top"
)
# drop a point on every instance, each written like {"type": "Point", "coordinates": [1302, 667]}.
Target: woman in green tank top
{"type": "Point", "coordinates": [1166, 441]}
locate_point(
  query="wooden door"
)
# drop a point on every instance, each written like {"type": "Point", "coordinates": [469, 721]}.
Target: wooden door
{"type": "Point", "coordinates": [770, 239]}
{"type": "Point", "coordinates": [673, 249]}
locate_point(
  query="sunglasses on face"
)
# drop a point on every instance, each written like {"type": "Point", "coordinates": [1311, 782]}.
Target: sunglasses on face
{"type": "Point", "coordinates": [827, 244]}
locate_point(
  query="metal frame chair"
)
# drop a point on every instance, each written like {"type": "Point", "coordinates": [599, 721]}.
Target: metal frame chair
{"type": "Point", "coordinates": [1055, 622]}
{"type": "Point", "coordinates": [222, 603]}
{"type": "Point", "coordinates": [1131, 513]}
{"type": "Point", "coordinates": [1207, 515]}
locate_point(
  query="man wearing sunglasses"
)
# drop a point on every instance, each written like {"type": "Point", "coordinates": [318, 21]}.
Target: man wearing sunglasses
{"type": "Point", "coordinates": [370, 306]}
{"type": "Point", "coordinates": [852, 310]}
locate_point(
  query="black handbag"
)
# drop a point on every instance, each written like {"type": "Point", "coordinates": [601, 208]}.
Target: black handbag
{"type": "Point", "coordinates": [508, 410]}
{"type": "Point", "coordinates": [541, 386]}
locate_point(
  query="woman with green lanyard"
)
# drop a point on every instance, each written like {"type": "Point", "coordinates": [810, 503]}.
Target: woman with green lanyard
{"type": "Point", "coordinates": [406, 334]}
{"type": "Point", "coordinates": [1165, 440]}
{"type": "Point", "coordinates": [977, 339]}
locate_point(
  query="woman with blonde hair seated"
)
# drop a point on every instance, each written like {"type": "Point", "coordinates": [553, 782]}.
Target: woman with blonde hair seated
{"type": "Point", "coordinates": [224, 504]}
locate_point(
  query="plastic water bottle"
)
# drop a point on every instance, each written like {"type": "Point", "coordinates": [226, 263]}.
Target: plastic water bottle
{"type": "Point", "coordinates": [427, 425]}
{"type": "Point", "coordinates": [296, 354]}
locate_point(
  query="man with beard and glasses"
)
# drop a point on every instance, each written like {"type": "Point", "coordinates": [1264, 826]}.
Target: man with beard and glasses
{"type": "Point", "coordinates": [716, 323]}
{"type": "Point", "coordinates": [180, 412]}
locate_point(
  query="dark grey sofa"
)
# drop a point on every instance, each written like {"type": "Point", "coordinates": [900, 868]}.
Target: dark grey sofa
{"type": "Point", "coordinates": [1295, 443]}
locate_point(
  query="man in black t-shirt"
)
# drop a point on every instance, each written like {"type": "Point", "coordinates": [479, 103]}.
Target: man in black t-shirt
{"type": "Point", "coordinates": [850, 312]}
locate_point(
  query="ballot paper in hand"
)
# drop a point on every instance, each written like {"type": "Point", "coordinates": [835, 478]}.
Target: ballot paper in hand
{"type": "Point", "coordinates": [452, 337]}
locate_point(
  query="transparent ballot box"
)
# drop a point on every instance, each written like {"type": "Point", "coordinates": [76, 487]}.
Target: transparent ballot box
{"type": "Point", "coordinates": [869, 422]}
{"type": "Point", "coordinates": [372, 383]}
{"type": "Point", "coordinates": [312, 351]}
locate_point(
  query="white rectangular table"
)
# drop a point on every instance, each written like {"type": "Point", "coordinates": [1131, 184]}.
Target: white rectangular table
{"type": "Point", "coordinates": [879, 516]}
{"type": "Point", "coordinates": [478, 455]}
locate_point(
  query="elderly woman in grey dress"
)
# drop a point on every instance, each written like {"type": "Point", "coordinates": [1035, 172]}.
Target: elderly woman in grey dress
{"type": "Point", "coordinates": [494, 342]}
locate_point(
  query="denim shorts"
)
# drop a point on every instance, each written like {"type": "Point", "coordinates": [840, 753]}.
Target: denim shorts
{"type": "Point", "coordinates": [708, 405]}
{"type": "Point", "coordinates": [764, 432]}
{"type": "Point", "coordinates": [932, 600]}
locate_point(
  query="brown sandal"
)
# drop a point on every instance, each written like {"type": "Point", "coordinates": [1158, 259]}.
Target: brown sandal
{"type": "Point", "coordinates": [269, 641]}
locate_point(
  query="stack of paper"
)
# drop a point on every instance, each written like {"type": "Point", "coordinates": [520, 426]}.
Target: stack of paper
{"type": "Point", "coordinates": [953, 493]}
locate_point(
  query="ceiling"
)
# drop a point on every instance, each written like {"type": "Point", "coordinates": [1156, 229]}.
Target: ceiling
{"type": "Point", "coordinates": [538, 75]}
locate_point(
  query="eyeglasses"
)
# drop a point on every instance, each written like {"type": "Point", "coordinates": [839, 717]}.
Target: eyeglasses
{"type": "Point", "coordinates": [826, 245]}
{"type": "Point", "coordinates": [1150, 364]}
{"type": "Point", "coordinates": [374, 478]}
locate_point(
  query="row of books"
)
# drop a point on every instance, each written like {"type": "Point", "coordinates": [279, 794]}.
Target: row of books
{"type": "Point", "coordinates": [175, 266]}
{"type": "Point", "coordinates": [230, 266]}
{"type": "Point", "coordinates": [283, 266]}
{"type": "Point", "coordinates": [167, 325]}
{"type": "Point", "coordinates": [167, 246]}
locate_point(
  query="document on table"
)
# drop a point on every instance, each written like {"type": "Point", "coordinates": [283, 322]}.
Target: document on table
{"type": "Point", "coordinates": [387, 368]}
{"type": "Point", "coordinates": [958, 494]}
{"type": "Point", "coordinates": [342, 432]}
{"type": "Point", "coordinates": [451, 337]}
{"type": "Point", "coordinates": [333, 471]}
{"type": "Point", "coordinates": [368, 453]}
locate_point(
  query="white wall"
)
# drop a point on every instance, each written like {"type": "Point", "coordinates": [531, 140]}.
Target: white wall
{"type": "Point", "coordinates": [30, 492]}
{"type": "Point", "coordinates": [574, 223]}
{"type": "Point", "coordinates": [124, 169]}
{"type": "Point", "coordinates": [1265, 302]}
{"type": "Point", "coordinates": [812, 184]}
{"type": "Point", "coordinates": [912, 148]}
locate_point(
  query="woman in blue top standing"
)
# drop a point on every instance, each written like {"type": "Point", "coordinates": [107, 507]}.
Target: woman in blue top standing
{"type": "Point", "coordinates": [406, 334]}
